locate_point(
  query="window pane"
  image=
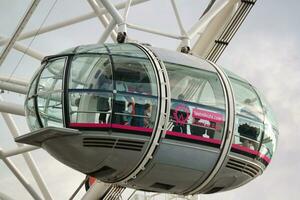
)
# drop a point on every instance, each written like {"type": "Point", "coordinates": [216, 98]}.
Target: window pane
{"type": "Point", "coordinates": [50, 109]}
{"type": "Point", "coordinates": [126, 50]}
{"type": "Point", "coordinates": [248, 133]}
{"type": "Point", "coordinates": [246, 100]}
{"type": "Point", "coordinates": [89, 107]}
{"type": "Point", "coordinates": [90, 90]}
{"type": "Point", "coordinates": [269, 142]}
{"type": "Point", "coordinates": [134, 109]}
{"type": "Point", "coordinates": [134, 75]}
{"type": "Point", "coordinates": [135, 100]}
{"type": "Point", "coordinates": [31, 115]}
{"type": "Point", "coordinates": [249, 120]}
{"type": "Point", "coordinates": [49, 93]}
{"type": "Point", "coordinates": [29, 107]}
{"type": "Point", "coordinates": [91, 72]}
{"type": "Point", "coordinates": [51, 77]}
{"type": "Point", "coordinates": [195, 85]}
{"type": "Point", "coordinates": [198, 106]}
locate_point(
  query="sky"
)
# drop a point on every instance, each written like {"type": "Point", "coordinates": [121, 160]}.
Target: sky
{"type": "Point", "coordinates": [264, 51]}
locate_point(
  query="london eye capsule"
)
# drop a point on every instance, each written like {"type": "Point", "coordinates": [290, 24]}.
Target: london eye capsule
{"type": "Point", "coordinates": [150, 119]}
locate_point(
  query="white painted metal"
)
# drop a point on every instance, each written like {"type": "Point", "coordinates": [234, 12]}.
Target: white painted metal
{"type": "Point", "coordinates": [12, 108]}
{"type": "Point", "coordinates": [19, 150]}
{"type": "Point", "coordinates": [96, 191]}
{"type": "Point", "coordinates": [14, 80]}
{"type": "Point", "coordinates": [19, 29]}
{"type": "Point", "coordinates": [126, 11]}
{"type": "Point", "coordinates": [69, 22]}
{"type": "Point", "coordinates": [27, 51]}
{"type": "Point", "coordinates": [137, 27]}
{"type": "Point", "coordinates": [20, 177]}
{"type": "Point", "coordinates": [102, 18]}
{"type": "Point", "coordinates": [212, 24]}
{"type": "Point", "coordinates": [107, 31]}
{"type": "Point", "coordinates": [178, 19]}
{"type": "Point", "coordinates": [13, 87]}
{"type": "Point", "coordinates": [115, 14]}
{"type": "Point", "coordinates": [4, 197]}
{"type": "Point", "coordinates": [29, 160]}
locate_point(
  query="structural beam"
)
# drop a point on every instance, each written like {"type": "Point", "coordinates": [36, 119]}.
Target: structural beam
{"type": "Point", "coordinates": [137, 27]}
{"type": "Point", "coordinates": [70, 22]}
{"type": "Point", "coordinates": [27, 156]}
{"type": "Point", "coordinates": [19, 29]}
{"type": "Point", "coordinates": [20, 177]}
{"type": "Point", "coordinates": [14, 80]}
{"type": "Point", "coordinates": [96, 191]}
{"type": "Point", "coordinates": [103, 19]}
{"type": "Point", "coordinates": [12, 108]}
{"type": "Point", "coordinates": [178, 19]}
{"type": "Point", "coordinates": [112, 10]}
{"type": "Point", "coordinates": [13, 87]}
{"type": "Point", "coordinates": [30, 52]}
{"type": "Point", "coordinates": [107, 31]}
{"type": "Point", "coordinates": [126, 10]}
{"type": "Point", "coordinates": [18, 150]}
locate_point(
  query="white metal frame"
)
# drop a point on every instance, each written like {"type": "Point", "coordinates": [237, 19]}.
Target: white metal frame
{"type": "Point", "coordinates": [223, 17]}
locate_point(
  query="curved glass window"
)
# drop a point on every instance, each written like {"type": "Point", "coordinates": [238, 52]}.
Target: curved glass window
{"type": "Point", "coordinates": [49, 93]}
{"type": "Point", "coordinates": [90, 89]}
{"type": "Point", "coordinates": [269, 142]}
{"type": "Point", "coordinates": [198, 106]}
{"type": "Point", "coordinates": [106, 91]}
{"type": "Point", "coordinates": [249, 120]}
{"type": "Point", "coordinates": [135, 97]}
{"type": "Point", "coordinates": [30, 106]}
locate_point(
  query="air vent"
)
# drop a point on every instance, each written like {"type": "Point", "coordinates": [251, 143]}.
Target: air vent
{"type": "Point", "coordinates": [113, 143]}
{"type": "Point", "coordinates": [162, 186]}
{"type": "Point", "coordinates": [243, 167]}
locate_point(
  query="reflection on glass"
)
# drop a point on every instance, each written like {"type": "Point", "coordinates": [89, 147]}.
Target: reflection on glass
{"type": "Point", "coordinates": [249, 119]}
{"type": "Point", "coordinates": [89, 107]}
{"type": "Point", "coordinates": [30, 114]}
{"type": "Point", "coordinates": [198, 106]}
{"type": "Point", "coordinates": [249, 133]}
{"type": "Point", "coordinates": [50, 109]}
{"type": "Point", "coordinates": [49, 92]}
{"type": "Point", "coordinates": [134, 75]}
{"type": "Point", "coordinates": [126, 50]}
{"type": "Point", "coordinates": [247, 101]}
{"type": "Point", "coordinates": [135, 100]}
{"type": "Point", "coordinates": [91, 72]}
{"type": "Point", "coordinates": [90, 89]}
{"type": "Point", "coordinates": [30, 108]}
{"type": "Point", "coordinates": [269, 142]}
{"type": "Point", "coordinates": [135, 110]}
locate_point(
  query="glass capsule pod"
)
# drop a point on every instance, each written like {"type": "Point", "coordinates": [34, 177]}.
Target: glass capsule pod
{"type": "Point", "coordinates": [150, 119]}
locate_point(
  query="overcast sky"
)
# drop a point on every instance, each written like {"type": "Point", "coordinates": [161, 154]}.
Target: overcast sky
{"type": "Point", "coordinates": [265, 51]}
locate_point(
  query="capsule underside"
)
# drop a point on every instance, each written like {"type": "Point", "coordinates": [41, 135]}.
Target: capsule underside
{"type": "Point", "coordinates": [150, 119]}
